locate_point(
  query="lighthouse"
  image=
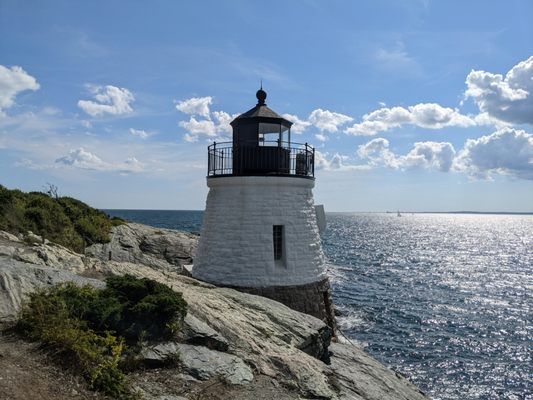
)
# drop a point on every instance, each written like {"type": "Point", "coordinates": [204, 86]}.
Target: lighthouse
{"type": "Point", "coordinates": [260, 232]}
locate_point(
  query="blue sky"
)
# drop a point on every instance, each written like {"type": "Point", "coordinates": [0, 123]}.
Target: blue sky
{"type": "Point", "coordinates": [412, 105]}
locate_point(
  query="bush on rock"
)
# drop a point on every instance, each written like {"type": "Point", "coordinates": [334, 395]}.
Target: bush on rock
{"type": "Point", "coordinates": [90, 327]}
{"type": "Point", "coordinates": [62, 220]}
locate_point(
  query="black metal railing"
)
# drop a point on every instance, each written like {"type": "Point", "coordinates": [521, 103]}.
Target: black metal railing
{"type": "Point", "coordinates": [267, 158]}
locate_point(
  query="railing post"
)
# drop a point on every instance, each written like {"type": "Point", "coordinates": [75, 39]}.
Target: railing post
{"type": "Point", "coordinates": [313, 161]}
{"type": "Point", "coordinates": [208, 160]}
{"type": "Point", "coordinates": [215, 157]}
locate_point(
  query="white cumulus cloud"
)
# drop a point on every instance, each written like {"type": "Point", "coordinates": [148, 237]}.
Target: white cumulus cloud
{"type": "Point", "coordinates": [196, 128]}
{"type": "Point", "coordinates": [504, 152]}
{"type": "Point", "coordinates": [223, 120]}
{"type": "Point", "coordinates": [377, 152]}
{"type": "Point", "coordinates": [195, 106]}
{"type": "Point", "coordinates": [80, 158]}
{"type": "Point", "coordinates": [429, 155]}
{"type": "Point", "coordinates": [298, 125]}
{"type": "Point", "coordinates": [108, 100]}
{"type": "Point", "coordinates": [424, 115]}
{"type": "Point", "coordinates": [336, 162]}
{"type": "Point", "coordinates": [13, 81]}
{"type": "Point", "coordinates": [213, 125]}
{"type": "Point", "coordinates": [328, 121]}
{"type": "Point", "coordinates": [508, 98]}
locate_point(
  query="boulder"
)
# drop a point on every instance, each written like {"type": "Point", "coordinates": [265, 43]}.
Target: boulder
{"type": "Point", "coordinates": [7, 251]}
{"type": "Point", "coordinates": [203, 363]}
{"type": "Point", "coordinates": [358, 376]}
{"type": "Point", "coordinates": [9, 237]}
{"type": "Point", "coordinates": [200, 362]}
{"type": "Point", "coordinates": [53, 256]}
{"type": "Point", "coordinates": [18, 279]}
{"type": "Point", "coordinates": [160, 354]}
{"type": "Point", "coordinates": [196, 332]}
{"type": "Point", "coordinates": [142, 244]}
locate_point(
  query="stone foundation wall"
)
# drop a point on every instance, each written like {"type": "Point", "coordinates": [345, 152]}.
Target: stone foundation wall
{"type": "Point", "coordinates": [312, 298]}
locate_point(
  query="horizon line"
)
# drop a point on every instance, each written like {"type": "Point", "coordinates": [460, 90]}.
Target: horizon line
{"type": "Point", "coordinates": [361, 212]}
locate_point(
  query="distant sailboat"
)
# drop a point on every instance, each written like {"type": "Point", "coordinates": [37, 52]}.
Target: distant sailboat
{"type": "Point", "coordinates": [399, 215]}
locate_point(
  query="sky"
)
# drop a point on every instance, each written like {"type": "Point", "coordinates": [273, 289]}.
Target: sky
{"type": "Point", "coordinates": [414, 105]}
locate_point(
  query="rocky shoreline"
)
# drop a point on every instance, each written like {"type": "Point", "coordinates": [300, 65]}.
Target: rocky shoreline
{"type": "Point", "coordinates": [232, 345]}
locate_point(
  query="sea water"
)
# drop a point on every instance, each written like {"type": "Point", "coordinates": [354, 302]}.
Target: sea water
{"type": "Point", "coordinates": [445, 299]}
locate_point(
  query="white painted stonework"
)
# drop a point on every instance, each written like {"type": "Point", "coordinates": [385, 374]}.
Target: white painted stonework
{"type": "Point", "coordinates": [236, 244]}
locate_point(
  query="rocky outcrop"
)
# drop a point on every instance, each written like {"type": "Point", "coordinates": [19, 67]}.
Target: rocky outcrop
{"type": "Point", "coordinates": [358, 376]}
{"type": "Point", "coordinates": [197, 332]}
{"type": "Point", "coordinates": [17, 279]}
{"type": "Point", "coordinates": [242, 332]}
{"type": "Point", "coordinates": [200, 362]}
{"type": "Point", "coordinates": [141, 244]}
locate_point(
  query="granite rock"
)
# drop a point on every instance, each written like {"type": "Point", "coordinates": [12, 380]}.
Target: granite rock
{"type": "Point", "coordinates": [200, 362]}
{"type": "Point", "coordinates": [9, 236]}
{"type": "Point", "coordinates": [257, 334]}
{"type": "Point", "coordinates": [196, 332]}
{"type": "Point", "coordinates": [155, 247]}
{"type": "Point", "coordinates": [18, 279]}
{"type": "Point", "coordinates": [358, 376]}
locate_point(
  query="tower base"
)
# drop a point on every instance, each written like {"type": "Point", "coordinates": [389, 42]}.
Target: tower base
{"type": "Point", "coordinates": [311, 298]}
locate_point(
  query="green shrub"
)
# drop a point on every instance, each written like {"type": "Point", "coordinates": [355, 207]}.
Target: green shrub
{"type": "Point", "coordinates": [48, 318]}
{"type": "Point", "coordinates": [90, 327]}
{"type": "Point", "coordinates": [149, 308]}
{"type": "Point", "coordinates": [62, 220]}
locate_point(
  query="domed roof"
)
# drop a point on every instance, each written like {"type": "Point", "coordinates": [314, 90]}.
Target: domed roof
{"type": "Point", "coordinates": [261, 113]}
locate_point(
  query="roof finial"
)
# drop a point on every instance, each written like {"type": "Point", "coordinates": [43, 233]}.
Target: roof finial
{"type": "Point", "coordinates": [261, 95]}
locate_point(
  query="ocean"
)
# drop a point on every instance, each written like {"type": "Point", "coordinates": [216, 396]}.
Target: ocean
{"type": "Point", "coordinates": [444, 299]}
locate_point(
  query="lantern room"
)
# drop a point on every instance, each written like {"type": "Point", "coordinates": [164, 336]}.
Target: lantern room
{"type": "Point", "coordinates": [261, 145]}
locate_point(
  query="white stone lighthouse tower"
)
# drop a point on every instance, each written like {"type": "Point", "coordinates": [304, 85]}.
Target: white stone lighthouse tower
{"type": "Point", "coordinates": [260, 233]}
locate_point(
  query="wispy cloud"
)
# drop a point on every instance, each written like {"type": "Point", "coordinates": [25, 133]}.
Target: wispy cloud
{"type": "Point", "coordinates": [396, 60]}
{"type": "Point", "coordinates": [80, 158]}
{"type": "Point", "coordinates": [140, 133]}
{"type": "Point", "coordinates": [108, 100]}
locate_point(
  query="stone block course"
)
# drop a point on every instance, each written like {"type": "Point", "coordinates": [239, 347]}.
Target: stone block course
{"type": "Point", "coordinates": [237, 228]}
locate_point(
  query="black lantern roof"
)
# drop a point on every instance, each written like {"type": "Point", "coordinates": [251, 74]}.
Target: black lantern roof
{"type": "Point", "coordinates": [261, 113]}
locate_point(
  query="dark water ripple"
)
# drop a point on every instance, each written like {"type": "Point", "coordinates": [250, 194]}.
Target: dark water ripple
{"type": "Point", "coordinates": [443, 298]}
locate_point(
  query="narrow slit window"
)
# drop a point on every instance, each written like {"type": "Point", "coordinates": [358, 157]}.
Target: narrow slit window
{"type": "Point", "coordinates": [277, 233]}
